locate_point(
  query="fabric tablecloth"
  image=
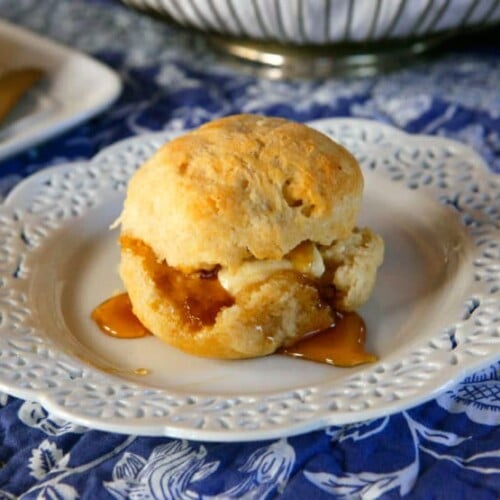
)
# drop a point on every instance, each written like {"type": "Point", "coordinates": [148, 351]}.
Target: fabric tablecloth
{"type": "Point", "coordinates": [446, 448]}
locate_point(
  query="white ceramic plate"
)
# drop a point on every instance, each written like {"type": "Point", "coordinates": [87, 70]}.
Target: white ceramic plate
{"type": "Point", "coordinates": [75, 88]}
{"type": "Point", "coordinates": [433, 316]}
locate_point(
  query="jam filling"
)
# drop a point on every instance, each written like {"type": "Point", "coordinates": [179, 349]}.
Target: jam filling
{"type": "Point", "coordinates": [199, 297]}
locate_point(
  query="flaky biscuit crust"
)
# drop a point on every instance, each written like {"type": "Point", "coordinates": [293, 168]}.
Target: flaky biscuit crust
{"type": "Point", "coordinates": [352, 265]}
{"type": "Point", "coordinates": [242, 187]}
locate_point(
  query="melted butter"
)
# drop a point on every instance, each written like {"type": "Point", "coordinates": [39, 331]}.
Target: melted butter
{"type": "Point", "coordinates": [306, 259]}
{"type": "Point", "coordinates": [115, 318]}
{"type": "Point", "coordinates": [234, 280]}
{"type": "Point", "coordinates": [197, 296]}
{"type": "Point", "coordinates": [342, 344]}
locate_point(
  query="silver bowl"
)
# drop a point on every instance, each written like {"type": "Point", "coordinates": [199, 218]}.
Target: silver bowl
{"type": "Point", "coordinates": [351, 34]}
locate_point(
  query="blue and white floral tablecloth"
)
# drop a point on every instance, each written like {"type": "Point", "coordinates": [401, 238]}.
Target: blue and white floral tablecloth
{"type": "Point", "coordinates": [446, 448]}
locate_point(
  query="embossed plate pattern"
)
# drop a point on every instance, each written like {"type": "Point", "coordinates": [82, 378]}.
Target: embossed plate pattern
{"type": "Point", "coordinates": [434, 315]}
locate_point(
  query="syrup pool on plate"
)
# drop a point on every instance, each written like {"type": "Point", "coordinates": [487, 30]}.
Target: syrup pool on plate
{"type": "Point", "coordinates": [342, 344]}
{"type": "Point", "coordinates": [116, 318]}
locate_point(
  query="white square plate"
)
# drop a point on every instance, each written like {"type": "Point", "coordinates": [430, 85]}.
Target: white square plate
{"type": "Point", "coordinates": [75, 88]}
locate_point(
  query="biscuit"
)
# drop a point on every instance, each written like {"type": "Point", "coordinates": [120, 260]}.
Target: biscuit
{"type": "Point", "coordinates": [351, 265]}
{"type": "Point", "coordinates": [265, 315]}
{"type": "Point", "coordinates": [232, 233]}
{"type": "Point", "coordinates": [242, 187]}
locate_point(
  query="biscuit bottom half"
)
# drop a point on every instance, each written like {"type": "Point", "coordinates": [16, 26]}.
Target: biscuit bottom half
{"type": "Point", "coordinates": [193, 312]}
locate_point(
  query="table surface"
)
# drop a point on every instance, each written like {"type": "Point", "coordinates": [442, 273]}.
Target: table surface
{"type": "Point", "coordinates": [446, 448]}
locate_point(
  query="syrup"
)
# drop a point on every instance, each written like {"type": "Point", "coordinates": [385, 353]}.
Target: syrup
{"type": "Point", "coordinates": [197, 296]}
{"type": "Point", "coordinates": [116, 318]}
{"type": "Point", "coordinates": [342, 344]}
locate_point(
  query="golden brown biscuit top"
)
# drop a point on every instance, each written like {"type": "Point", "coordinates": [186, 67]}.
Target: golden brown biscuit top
{"type": "Point", "coordinates": [242, 187]}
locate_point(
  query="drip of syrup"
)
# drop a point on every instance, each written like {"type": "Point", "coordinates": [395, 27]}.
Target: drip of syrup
{"type": "Point", "coordinates": [116, 318]}
{"type": "Point", "coordinates": [342, 344]}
